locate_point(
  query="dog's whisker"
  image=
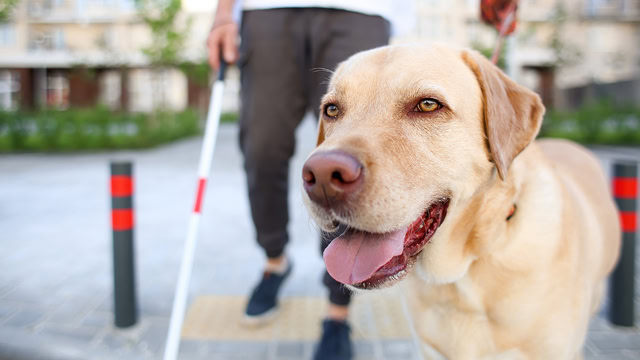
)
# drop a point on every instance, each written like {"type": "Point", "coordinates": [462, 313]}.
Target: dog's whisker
{"type": "Point", "coordinates": [321, 69]}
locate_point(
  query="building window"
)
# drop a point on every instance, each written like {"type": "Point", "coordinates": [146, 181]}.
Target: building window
{"type": "Point", "coordinates": [48, 40]}
{"type": "Point", "coordinates": [110, 89]}
{"type": "Point", "coordinates": [7, 35]}
{"type": "Point", "coordinates": [609, 8]}
{"type": "Point", "coordinates": [57, 91]}
{"type": "Point", "coordinates": [9, 90]}
{"type": "Point", "coordinates": [151, 89]}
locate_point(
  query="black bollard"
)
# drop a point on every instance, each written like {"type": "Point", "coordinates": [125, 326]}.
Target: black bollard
{"type": "Point", "coordinates": [124, 288]}
{"type": "Point", "coordinates": [625, 192]}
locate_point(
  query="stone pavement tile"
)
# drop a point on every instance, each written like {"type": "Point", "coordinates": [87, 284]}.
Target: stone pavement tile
{"type": "Point", "coordinates": [182, 356]}
{"type": "Point", "coordinates": [6, 286]}
{"type": "Point", "coordinates": [617, 355]}
{"type": "Point", "coordinates": [83, 334]}
{"type": "Point", "coordinates": [154, 307]}
{"type": "Point", "coordinates": [24, 318]}
{"type": "Point", "coordinates": [215, 356]}
{"type": "Point", "coordinates": [38, 279]}
{"type": "Point", "coordinates": [154, 337]}
{"type": "Point", "coordinates": [115, 341]}
{"type": "Point", "coordinates": [7, 310]}
{"type": "Point", "coordinates": [106, 305]}
{"type": "Point", "coordinates": [615, 340]}
{"type": "Point", "coordinates": [299, 319]}
{"type": "Point", "coordinates": [589, 350]}
{"type": "Point", "coordinates": [290, 349]}
{"type": "Point", "coordinates": [98, 319]}
{"type": "Point", "coordinates": [67, 314]}
{"type": "Point", "coordinates": [599, 323]}
{"type": "Point", "coordinates": [121, 344]}
{"type": "Point", "coordinates": [25, 345]}
{"type": "Point", "coordinates": [398, 349]}
{"type": "Point", "coordinates": [193, 348]}
{"type": "Point", "coordinates": [363, 349]}
{"type": "Point", "coordinates": [258, 350]}
{"type": "Point", "coordinates": [24, 295]}
{"type": "Point", "coordinates": [34, 297]}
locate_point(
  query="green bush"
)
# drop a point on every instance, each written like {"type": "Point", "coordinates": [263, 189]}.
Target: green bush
{"type": "Point", "coordinates": [92, 129]}
{"type": "Point", "coordinates": [229, 118]}
{"type": "Point", "coordinates": [600, 122]}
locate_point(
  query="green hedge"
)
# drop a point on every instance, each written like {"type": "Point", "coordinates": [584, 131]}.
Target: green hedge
{"type": "Point", "coordinates": [229, 118]}
{"type": "Point", "coordinates": [596, 123]}
{"type": "Point", "coordinates": [92, 129]}
{"type": "Point", "coordinates": [99, 128]}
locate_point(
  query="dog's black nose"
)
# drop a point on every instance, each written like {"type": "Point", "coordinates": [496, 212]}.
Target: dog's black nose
{"type": "Point", "coordinates": [331, 176]}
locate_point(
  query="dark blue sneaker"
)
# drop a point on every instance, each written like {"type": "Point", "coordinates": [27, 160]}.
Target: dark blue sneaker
{"type": "Point", "coordinates": [335, 343]}
{"type": "Point", "coordinates": [263, 302]}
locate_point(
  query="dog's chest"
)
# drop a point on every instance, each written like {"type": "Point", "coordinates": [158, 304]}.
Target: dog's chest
{"type": "Point", "coordinates": [452, 319]}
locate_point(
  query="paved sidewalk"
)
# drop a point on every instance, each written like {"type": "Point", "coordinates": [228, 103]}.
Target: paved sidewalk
{"type": "Point", "coordinates": [55, 263]}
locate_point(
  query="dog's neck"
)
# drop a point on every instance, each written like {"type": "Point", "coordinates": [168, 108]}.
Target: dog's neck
{"type": "Point", "coordinates": [506, 254]}
{"type": "Point", "coordinates": [494, 237]}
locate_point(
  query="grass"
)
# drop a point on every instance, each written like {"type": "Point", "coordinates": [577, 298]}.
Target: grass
{"type": "Point", "coordinates": [93, 129]}
{"type": "Point", "coordinates": [601, 123]}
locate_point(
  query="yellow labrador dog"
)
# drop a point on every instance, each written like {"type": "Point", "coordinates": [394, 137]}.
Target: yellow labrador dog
{"type": "Point", "coordinates": [427, 155]}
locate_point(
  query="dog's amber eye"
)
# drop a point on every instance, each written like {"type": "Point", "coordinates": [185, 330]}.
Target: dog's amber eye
{"type": "Point", "coordinates": [427, 105]}
{"type": "Point", "coordinates": [331, 110]}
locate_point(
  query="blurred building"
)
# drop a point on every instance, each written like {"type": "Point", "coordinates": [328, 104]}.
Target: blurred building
{"type": "Point", "coordinates": [569, 51]}
{"type": "Point", "coordinates": [65, 53]}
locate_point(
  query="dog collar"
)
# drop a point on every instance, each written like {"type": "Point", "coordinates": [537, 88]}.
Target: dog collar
{"type": "Point", "coordinates": [512, 212]}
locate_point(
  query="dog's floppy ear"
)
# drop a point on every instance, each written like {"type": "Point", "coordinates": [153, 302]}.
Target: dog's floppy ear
{"type": "Point", "coordinates": [512, 113]}
{"type": "Point", "coordinates": [320, 132]}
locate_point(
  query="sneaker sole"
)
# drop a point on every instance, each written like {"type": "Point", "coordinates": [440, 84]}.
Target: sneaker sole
{"type": "Point", "coordinates": [260, 320]}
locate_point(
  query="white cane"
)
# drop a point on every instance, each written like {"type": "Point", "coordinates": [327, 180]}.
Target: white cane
{"type": "Point", "coordinates": [206, 155]}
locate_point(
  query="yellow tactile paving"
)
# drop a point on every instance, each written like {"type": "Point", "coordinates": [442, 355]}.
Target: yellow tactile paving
{"type": "Point", "coordinates": [373, 316]}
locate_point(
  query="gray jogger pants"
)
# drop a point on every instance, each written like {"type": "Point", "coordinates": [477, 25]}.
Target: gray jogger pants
{"type": "Point", "coordinates": [280, 52]}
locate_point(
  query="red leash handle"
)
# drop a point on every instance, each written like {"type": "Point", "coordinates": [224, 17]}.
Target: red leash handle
{"type": "Point", "coordinates": [506, 25]}
{"type": "Point", "coordinates": [501, 14]}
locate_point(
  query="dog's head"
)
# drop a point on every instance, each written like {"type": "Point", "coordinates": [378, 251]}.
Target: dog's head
{"type": "Point", "coordinates": [409, 138]}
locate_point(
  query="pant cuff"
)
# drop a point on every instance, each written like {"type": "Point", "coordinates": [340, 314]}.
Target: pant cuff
{"type": "Point", "coordinates": [338, 293]}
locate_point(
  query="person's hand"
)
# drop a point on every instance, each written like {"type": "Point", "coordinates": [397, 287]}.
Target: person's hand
{"type": "Point", "coordinates": [223, 38]}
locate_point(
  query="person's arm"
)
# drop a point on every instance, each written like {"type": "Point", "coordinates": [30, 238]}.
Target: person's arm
{"type": "Point", "coordinates": [223, 36]}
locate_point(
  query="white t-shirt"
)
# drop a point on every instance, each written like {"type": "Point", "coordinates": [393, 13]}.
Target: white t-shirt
{"type": "Point", "coordinates": [400, 13]}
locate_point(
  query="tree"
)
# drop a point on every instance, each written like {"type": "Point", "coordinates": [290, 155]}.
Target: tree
{"type": "Point", "coordinates": [566, 53]}
{"type": "Point", "coordinates": [6, 8]}
{"type": "Point", "coordinates": [168, 39]}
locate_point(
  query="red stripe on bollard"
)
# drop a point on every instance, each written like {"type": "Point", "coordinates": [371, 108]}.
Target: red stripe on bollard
{"type": "Point", "coordinates": [125, 309]}
{"type": "Point", "coordinates": [626, 188]}
{"type": "Point", "coordinates": [622, 282]}
{"type": "Point", "coordinates": [122, 219]}
{"type": "Point", "coordinates": [201, 185]}
{"type": "Point", "coordinates": [628, 221]}
{"type": "Point", "coordinates": [121, 185]}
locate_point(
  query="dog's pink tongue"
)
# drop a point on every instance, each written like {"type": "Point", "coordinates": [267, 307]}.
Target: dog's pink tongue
{"type": "Point", "coordinates": [355, 256]}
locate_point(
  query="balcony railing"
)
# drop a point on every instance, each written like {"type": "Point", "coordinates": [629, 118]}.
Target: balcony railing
{"type": "Point", "coordinates": [47, 40]}
{"type": "Point", "coordinates": [72, 11]}
{"type": "Point", "coordinates": [619, 10]}
{"type": "Point", "coordinates": [39, 9]}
